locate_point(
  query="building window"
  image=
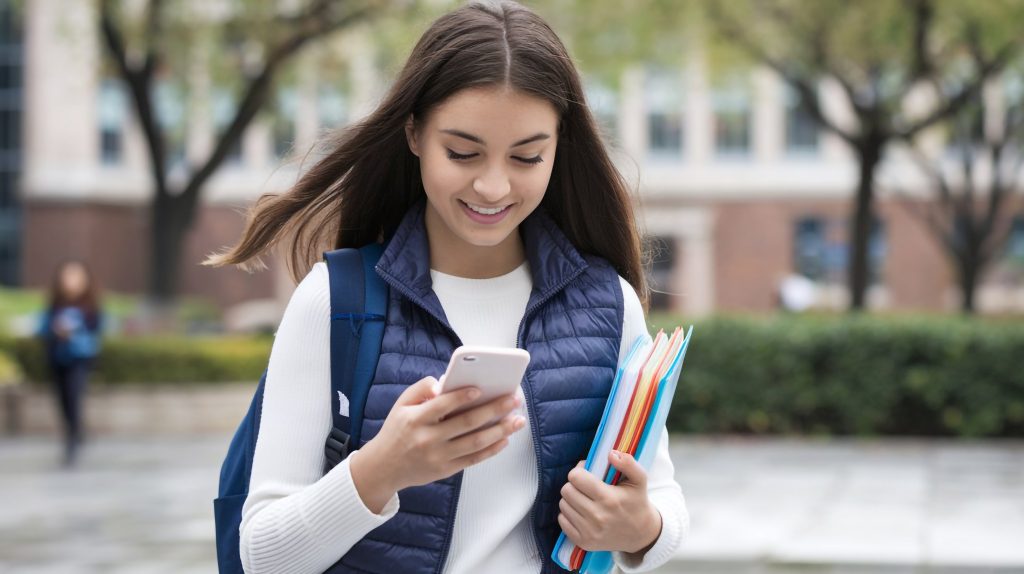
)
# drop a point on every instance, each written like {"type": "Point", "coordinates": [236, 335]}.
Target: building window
{"type": "Point", "coordinates": [283, 121]}
{"type": "Point", "coordinates": [10, 24]}
{"type": "Point", "coordinates": [1013, 88]}
{"type": "Point", "coordinates": [1014, 253]}
{"type": "Point", "coordinates": [113, 105]}
{"type": "Point", "coordinates": [332, 107]}
{"type": "Point", "coordinates": [8, 190]}
{"type": "Point", "coordinates": [663, 98]}
{"type": "Point", "coordinates": [603, 103]}
{"type": "Point", "coordinates": [878, 247]}
{"type": "Point", "coordinates": [224, 109]}
{"type": "Point", "coordinates": [170, 111]}
{"type": "Point", "coordinates": [821, 250]}
{"type": "Point", "coordinates": [801, 128]}
{"type": "Point", "coordinates": [11, 67]}
{"type": "Point", "coordinates": [810, 248]}
{"type": "Point", "coordinates": [731, 105]}
{"type": "Point", "coordinates": [10, 130]}
{"type": "Point", "coordinates": [1013, 93]}
{"type": "Point", "coordinates": [659, 271]}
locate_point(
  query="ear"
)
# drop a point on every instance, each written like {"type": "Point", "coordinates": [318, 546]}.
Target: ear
{"type": "Point", "coordinates": [410, 136]}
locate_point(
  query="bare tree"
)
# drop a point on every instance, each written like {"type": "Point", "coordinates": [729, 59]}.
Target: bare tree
{"type": "Point", "coordinates": [140, 57]}
{"type": "Point", "coordinates": [971, 215]}
{"type": "Point", "coordinates": [877, 52]}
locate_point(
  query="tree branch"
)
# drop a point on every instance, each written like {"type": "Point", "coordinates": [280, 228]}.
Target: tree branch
{"type": "Point", "coordinates": [804, 85]}
{"type": "Point", "coordinates": [946, 200]}
{"type": "Point", "coordinates": [113, 40]}
{"type": "Point", "coordinates": [257, 91]}
{"type": "Point", "coordinates": [985, 70]}
{"type": "Point", "coordinates": [824, 63]}
{"type": "Point", "coordinates": [139, 84]}
{"type": "Point", "coordinates": [154, 25]}
{"type": "Point", "coordinates": [966, 205]}
{"type": "Point", "coordinates": [999, 187]}
{"type": "Point", "coordinates": [924, 15]}
{"type": "Point", "coordinates": [924, 214]}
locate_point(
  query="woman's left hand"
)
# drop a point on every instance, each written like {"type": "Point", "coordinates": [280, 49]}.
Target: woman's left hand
{"type": "Point", "coordinates": [599, 516]}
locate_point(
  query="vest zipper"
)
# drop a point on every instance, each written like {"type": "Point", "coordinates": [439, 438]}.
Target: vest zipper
{"type": "Point", "coordinates": [528, 393]}
{"type": "Point", "coordinates": [446, 545]}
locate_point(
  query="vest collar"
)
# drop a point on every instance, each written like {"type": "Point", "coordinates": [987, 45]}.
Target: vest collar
{"type": "Point", "coordinates": [405, 263]}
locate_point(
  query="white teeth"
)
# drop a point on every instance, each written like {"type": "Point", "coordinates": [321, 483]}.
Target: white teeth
{"type": "Point", "coordinates": [483, 211]}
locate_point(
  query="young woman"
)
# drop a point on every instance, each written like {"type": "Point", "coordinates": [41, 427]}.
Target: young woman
{"type": "Point", "coordinates": [70, 329]}
{"type": "Point", "coordinates": [505, 224]}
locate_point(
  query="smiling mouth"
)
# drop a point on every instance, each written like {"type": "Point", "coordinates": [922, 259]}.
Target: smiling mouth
{"type": "Point", "coordinates": [485, 211]}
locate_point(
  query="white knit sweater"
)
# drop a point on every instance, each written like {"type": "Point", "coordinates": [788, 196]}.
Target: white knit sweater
{"type": "Point", "coordinates": [296, 520]}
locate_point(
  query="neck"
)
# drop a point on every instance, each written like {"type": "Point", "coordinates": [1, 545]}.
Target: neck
{"type": "Point", "coordinates": [451, 255]}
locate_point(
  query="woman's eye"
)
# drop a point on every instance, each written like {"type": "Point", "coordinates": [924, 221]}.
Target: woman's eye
{"type": "Point", "coordinates": [530, 160]}
{"type": "Point", "coordinates": [459, 156]}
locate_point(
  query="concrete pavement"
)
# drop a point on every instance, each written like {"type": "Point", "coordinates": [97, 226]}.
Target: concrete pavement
{"type": "Point", "coordinates": [859, 506]}
{"type": "Point", "coordinates": [757, 506]}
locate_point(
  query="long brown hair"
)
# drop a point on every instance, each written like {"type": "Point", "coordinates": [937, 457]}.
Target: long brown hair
{"type": "Point", "coordinates": [369, 178]}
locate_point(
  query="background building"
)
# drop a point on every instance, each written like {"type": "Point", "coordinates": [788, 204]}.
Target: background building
{"type": "Point", "coordinates": [11, 59]}
{"type": "Point", "coordinates": [744, 189]}
{"type": "Point", "coordinates": [738, 188]}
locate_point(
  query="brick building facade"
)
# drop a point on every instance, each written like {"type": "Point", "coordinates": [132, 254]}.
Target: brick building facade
{"type": "Point", "coordinates": [737, 187]}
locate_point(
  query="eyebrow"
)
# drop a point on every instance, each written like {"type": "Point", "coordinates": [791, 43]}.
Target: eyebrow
{"type": "Point", "coordinates": [475, 139]}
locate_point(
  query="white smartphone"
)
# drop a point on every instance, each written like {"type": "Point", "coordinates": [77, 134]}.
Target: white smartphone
{"type": "Point", "coordinates": [496, 371]}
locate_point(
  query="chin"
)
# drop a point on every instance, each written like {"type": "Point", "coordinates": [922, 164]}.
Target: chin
{"type": "Point", "coordinates": [489, 241]}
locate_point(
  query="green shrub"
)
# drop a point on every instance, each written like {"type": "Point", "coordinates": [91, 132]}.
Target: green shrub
{"type": "Point", "coordinates": [161, 359]}
{"type": "Point", "coordinates": [10, 371]}
{"type": "Point", "coordinates": [852, 376]}
{"type": "Point", "coordinates": [187, 315]}
{"type": "Point", "coordinates": [809, 375]}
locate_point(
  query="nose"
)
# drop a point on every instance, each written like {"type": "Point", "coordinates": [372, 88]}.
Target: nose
{"type": "Point", "coordinates": [493, 184]}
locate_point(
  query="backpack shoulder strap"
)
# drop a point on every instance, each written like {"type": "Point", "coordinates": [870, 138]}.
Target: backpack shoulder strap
{"type": "Point", "coordinates": [358, 314]}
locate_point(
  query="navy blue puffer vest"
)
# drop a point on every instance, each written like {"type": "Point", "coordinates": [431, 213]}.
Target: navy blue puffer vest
{"type": "Point", "coordinates": [572, 328]}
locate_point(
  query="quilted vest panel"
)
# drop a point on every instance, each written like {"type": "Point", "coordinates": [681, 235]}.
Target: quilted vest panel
{"type": "Point", "coordinates": [572, 328]}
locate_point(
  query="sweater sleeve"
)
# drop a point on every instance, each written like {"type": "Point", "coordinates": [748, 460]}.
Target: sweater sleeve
{"type": "Point", "coordinates": [297, 519]}
{"type": "Point", "coordinates": [662, 489]}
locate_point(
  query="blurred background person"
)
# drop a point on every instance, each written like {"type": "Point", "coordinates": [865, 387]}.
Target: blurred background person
{"type": "Point", "coordinates": [70, 328]}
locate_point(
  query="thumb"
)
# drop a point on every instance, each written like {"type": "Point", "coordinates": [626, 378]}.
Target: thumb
{"type": "Point", "coordinates": [629, 467]}
{"type": "Point", "coordinates": [419, 392]}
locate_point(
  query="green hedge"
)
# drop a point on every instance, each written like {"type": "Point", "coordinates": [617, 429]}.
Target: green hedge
{"type": "Point", "coordinates": [820, 375]}
{"type": "Point", "coordinates": [10, 371]}
{"type": "Point", "coordinates": [189, 314]}
{"type": "Point", "coordinates": [852, 376]}
{"type": "Point", "coordinates": [160, 359]}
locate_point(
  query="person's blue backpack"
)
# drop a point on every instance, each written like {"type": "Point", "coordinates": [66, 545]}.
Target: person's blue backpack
{"type": "Point", "coordinates": [356, 333]}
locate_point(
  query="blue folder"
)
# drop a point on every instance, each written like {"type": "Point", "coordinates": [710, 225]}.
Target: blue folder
{"type": "Point", "coordinates": [600, 562]}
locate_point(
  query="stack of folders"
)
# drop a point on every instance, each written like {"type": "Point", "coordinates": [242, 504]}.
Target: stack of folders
{"type": "Point", "coordinates": [633, 419]}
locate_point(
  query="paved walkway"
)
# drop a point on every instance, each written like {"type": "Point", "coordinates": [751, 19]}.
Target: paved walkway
{"type": "Point", "coordinates": [757, 506]}
{"type": "Point", "coordinates": [856, 506]}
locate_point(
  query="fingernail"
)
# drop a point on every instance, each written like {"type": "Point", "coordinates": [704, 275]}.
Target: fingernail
{"type": "Point", "coordinates": [616, 455]}
{"type": "Point", "coordinates": [473, 393]}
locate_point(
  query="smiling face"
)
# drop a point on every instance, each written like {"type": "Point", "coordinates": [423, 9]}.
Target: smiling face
{"type": "Point", "coordinates": [485, 160]}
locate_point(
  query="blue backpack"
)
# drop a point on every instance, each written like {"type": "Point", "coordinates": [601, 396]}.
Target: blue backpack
{"type": "Point", "coordinates": [358, 312]}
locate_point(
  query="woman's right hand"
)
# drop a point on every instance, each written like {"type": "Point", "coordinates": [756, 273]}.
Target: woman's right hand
{"type": "Point", "coordinates": [419, 444]}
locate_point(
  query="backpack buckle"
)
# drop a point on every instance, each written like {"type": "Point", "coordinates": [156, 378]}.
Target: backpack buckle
{"type": "Point", "coordinates": [337, 447]}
